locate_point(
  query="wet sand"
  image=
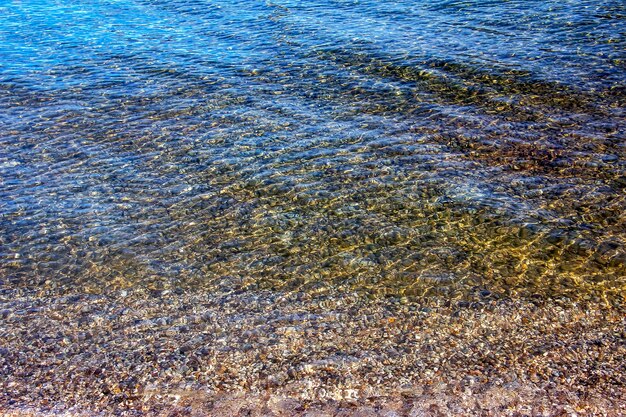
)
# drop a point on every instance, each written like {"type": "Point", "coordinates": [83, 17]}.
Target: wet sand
{"type": "Point", "coordinates": [256, 353]}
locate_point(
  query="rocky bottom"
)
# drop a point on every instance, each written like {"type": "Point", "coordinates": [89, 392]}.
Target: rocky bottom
{"type": "Point", "coordinates": [167, 353]}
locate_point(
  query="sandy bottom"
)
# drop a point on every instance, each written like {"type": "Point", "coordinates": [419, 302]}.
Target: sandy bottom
{"type": "Point", "coordinates": [170, 353]}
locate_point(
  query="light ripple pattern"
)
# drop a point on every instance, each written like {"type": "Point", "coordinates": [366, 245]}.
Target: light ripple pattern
{"type": "Point", "coordinates": [389, 148]}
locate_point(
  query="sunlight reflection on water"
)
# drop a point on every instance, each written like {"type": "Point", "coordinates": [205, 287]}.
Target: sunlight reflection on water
{"type": "Point", "coordinates": [414, 148]}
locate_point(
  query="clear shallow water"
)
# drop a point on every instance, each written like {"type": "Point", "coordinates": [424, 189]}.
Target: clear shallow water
{"type": "Point", "coordinates": [405, 148]}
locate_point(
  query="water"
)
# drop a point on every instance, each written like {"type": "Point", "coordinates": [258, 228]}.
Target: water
{"type": "Point", "coordinates": [390, 148]}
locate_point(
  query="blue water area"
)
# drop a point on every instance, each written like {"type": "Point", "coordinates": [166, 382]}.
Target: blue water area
{"type": "Point", "coordinates": [406, 147]}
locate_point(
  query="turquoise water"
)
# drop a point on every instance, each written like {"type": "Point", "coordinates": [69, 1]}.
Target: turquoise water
{"type": "Point", "coordinates": [415, 148]}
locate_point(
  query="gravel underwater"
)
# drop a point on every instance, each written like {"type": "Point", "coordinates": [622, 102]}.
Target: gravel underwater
{"type": "Point", "coordinates": [321, 208]}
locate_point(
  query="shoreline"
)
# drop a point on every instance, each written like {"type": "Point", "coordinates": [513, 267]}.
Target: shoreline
{"type": "Point", "coordinates": [137, 352]}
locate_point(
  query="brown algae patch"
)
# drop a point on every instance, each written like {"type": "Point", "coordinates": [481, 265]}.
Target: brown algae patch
{"type": "Point", "coordinates": [136, 352]}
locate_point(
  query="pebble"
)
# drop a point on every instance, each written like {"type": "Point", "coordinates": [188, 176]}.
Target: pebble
{"type": "Point", "coordinates": [329, 354]}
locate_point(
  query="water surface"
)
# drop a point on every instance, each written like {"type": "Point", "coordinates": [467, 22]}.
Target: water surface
{"type": "Point", "coordinates": [402, 148]}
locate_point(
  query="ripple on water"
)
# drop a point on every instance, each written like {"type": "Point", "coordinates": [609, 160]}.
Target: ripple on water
{"type": "Point", "coordinates": [412, 149]}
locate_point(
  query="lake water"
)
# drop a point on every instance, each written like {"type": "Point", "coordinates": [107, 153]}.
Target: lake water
{"type": "Point", "coordinates": [391, 148]}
